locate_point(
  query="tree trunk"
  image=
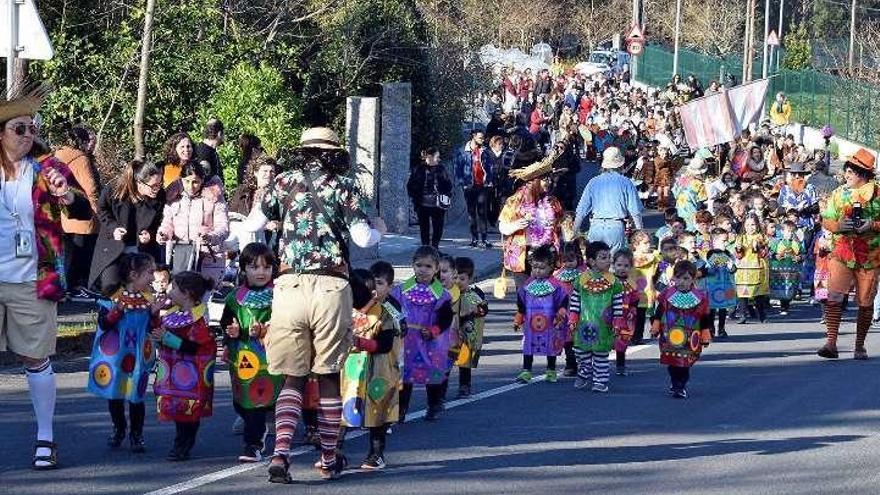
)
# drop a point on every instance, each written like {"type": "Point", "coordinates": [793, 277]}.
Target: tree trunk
{"type": "Point", "coordinates": [146, 47]}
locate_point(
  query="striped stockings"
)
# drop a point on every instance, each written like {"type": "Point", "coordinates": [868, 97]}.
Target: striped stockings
{"type": "Point", "coordinates": [833, 312]}
{"type": "Point", "coordinates": [329, 420]}
{"type": "Point", "coordinates": [288, 409]}
{"type": "Point", "coordinates": [863, 325]}
{"type": "Point", "coordinates": [593, 366]}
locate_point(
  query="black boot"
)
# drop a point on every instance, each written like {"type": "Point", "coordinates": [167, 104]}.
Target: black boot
{"type": "Point", "coordinates": [114, 441]}
{"type": "Point", "coordinates": [136, 441]}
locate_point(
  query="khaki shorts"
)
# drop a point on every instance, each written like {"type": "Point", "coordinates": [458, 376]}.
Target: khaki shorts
{"type": "Point", "coordinates": [310, 330]}
{"type": "Point", "coordinates": [28, 324]}
{"type": "Point", "coordinates": [841, 279]}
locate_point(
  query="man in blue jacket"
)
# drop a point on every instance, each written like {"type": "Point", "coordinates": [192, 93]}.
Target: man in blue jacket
{"type": "Point", "coordinates": [473, 173]}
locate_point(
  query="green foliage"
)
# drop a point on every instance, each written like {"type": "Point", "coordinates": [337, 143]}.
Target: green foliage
{"type": "Point", "coordinates": [253, 99]}
{"type": "Point", "coordinates": [798, 49]}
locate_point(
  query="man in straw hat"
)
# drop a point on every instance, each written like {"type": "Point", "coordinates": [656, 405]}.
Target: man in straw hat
{"type": "Point", "coordinates": [610, 197]}
{"type": "Point", "coordinates": [852, 215]}
{"type": "Point", "coordinates": [321, 209]}
{"type": "Point", "coordinates": [33, 195]}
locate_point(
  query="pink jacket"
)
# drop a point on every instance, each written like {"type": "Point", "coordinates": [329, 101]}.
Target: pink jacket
{"type": "Point", "coordinates": [184, 218]}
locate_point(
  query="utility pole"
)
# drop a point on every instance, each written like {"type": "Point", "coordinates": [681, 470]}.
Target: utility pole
{"type": "Point", "coordinates": [747, 40]}
{"type": "Point", "coordinates": [12, 54]}
{"type": "Point", "coordinates": [778, 48]}
{"type": "Point", "coordinates": [852, 35]}
{"type": "Point", "coordinates": [766, 34]}
{"type": "Point", "coordinates": [147, 45]}
{"type": "Point", "coordinates": [677, 36]}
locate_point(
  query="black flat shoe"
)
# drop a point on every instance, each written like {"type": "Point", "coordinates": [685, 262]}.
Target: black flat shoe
{"type": "Point", "coordinates": [137, 443]}
{"type": "Point", "coordinates": [279, 472]}
{"type": "Point", "coordinates": [114, 441]}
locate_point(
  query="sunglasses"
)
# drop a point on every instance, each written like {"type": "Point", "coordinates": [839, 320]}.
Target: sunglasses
{"type": "Point", "coordinates": [154, 187]}
{"type": "Point", "coordinates": [21, 129]}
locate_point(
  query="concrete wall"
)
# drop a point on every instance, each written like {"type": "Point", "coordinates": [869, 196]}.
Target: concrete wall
{"type": "Point", "coordinates": [395, 144]}
{"type": "Point", "coordinates": [362, 126]}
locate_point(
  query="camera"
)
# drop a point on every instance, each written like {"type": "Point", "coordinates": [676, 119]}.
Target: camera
{"type": "Point", "coordinates": [857, 215]}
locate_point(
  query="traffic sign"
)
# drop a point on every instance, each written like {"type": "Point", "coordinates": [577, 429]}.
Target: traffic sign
{"type": "Point", "coordinates": [33, 41]}
{"type": "Point", "coordinates": [773, 39]}
{"type": "Point", "coordinates": [634, 47]}
{"type": "Point", "coordinates": [636, 34]}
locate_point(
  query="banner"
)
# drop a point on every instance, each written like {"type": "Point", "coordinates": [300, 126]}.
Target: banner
{"type": "Point", "coordinates": [720, 117]}
{"type": "Point", "coordinates": [746, 101]}
{"type": "Point", "coordinates": [708, 121]}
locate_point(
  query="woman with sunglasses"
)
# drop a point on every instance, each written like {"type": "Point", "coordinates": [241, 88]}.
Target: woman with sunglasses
{"type": "Point", "coordinates": [33, 195]}
{"type": "Point", "coordinates": [130, 213]}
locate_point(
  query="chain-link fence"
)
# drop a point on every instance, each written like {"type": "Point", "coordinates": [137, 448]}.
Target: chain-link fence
{"type": "Point", "coordinates": [816, 98]}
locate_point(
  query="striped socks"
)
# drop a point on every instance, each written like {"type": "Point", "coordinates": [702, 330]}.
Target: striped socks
{"type": "Point", "coordinates": [288, 409]}
{"type": "Point", "coordinates": [329, 420]}
{"type": "Point", "coordinates": [863, 324]}
{"type": "Point", "coordinates": [833, 312]}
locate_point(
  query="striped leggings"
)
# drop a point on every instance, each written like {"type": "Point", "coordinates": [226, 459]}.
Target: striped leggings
{"type": "Point", "coordinates": [593, 366]}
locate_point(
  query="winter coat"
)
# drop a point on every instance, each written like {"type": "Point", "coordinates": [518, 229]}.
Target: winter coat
{"type": "Point", "coordinates": [423, 179]}
{"type": "Point", "coordinates": [464, 166]}
{"type": "Point", "coordinates": [185, 217]}
{"type": "Point", "coordinates": [86, 176]}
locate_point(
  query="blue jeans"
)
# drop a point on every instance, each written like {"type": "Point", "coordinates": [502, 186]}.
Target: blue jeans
{"type": "Point", "coordinates": [610, 232]}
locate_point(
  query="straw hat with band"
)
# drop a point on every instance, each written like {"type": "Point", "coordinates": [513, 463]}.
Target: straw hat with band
{"type": "Point", "coordinates": [320, 138]}
{"type": "Point", "coordinates": [26, 101]}
{"type": "Point", "coordinates": [541, 169]}
{"type": "Point", "coordinates": [612, 158]}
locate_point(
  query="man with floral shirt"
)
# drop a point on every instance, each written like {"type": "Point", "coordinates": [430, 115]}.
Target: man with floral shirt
{"type": "Point", "coordinates": [320, 209]}
{"type": "Point", "coordinates": [852, 215]}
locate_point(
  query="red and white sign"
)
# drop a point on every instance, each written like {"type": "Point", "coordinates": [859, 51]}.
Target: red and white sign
{"type": "Point", "coordinates": [635, 40]}
{"type": "Point", "coordinates": [634, 47]}
{"type": "Point", "coordinates": [636, 33]}
{"type": "Point", "coordinates": [773, 39]}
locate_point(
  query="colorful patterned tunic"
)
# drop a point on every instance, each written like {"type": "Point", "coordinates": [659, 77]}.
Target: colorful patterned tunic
{"type": "Point", "coordinates": [682, 321]}
{"type": "Point", "coordinates": [184, 381]}
{"type": "Point", "coordinates": [543, 229]}
{"type": "Point", "coordinates": [690, 193]}
{"type": "Point", "coordinates": [123, 354]}
{"type": "Point", "coordinates": [752, 274]}
{"type": "Point", "coordinates": [471, 322]}
{"type": "Point", "coordinates": [539, 302]}
{"type": "Point", "coordinates": [663, 276]}
{"type": "Point", "coordinates": [630, 304]}
{"type": "Point", "coordinates": [252, 385]}
{"type": "Point", "coordinates": [785, 271]}
{"type": "Point", "coordinates": [426, 361]}
{"type": "Point", "coordinates": [567, 276]}
{"type": "Point", "coordinates": [790, 199]}
{"type": "Point", "coordinates": [596, 305]}
{"type": "Point", "coordinates": [370, 381]}
{"type": "Point", "coordinates": [855, 250]}
{"type": "Point", "coordinates": [642, 277]}
{"type": "Point", "coordinates": [719, 279]}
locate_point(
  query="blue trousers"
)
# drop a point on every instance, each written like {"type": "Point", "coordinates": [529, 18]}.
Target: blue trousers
{"type": "Point", "coordinates": [610, 232]}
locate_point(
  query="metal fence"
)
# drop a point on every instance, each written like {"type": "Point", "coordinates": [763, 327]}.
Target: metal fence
{"type": "Point", "coordinates": [816, 98]}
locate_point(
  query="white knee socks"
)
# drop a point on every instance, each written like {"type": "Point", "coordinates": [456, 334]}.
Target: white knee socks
{"type": "Point", "coordinates": [41, 383]}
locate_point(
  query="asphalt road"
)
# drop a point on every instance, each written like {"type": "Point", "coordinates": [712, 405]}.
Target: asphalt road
{"type": "Point", "coordinates": [765, 416]}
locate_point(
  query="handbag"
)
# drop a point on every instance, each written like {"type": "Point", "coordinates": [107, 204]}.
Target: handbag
{"type": "Point", "coordinates": [501, 285]}
{"type": "Point", "coordinates": [182, 256]}
{"type": "Point", "coordinates": [434, 199]}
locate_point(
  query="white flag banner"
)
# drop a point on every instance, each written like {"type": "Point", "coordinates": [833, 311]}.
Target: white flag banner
{"type": "Point", "coordinates": [746, 101]}
{"type": "Point", "coordinates": [708, 121]}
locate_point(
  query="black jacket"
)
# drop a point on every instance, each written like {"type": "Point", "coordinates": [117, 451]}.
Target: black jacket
{"type": "Point", "coordinates": [422, 180]}
{"type": "Point", "coordinates": [134, 217]}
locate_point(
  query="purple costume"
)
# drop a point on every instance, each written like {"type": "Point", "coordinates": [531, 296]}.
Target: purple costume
{"type": "Point", "coordinates": [426, 361]}
{"type": "Point", "coordinates": [538, 302]}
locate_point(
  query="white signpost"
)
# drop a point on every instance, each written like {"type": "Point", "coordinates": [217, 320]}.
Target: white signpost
{"type": "Point", "coordinates": [26, 36]}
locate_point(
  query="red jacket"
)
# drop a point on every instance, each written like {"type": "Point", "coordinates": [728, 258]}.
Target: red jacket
{"type": "Point", "coordinates": [535, 121]}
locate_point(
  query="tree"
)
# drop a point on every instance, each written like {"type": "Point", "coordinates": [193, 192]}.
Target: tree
{"type": "Point", "coordinates": [140, 107]}
{"type": "Point", "coordinates": [597, 21]}
{"type": "Point", "coordinates": [798, 49]}
{"type": "Point", "coordinates": [714, 26]}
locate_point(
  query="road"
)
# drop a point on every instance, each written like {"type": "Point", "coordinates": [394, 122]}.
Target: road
{"type": "Point", "coordinates": [765, 416]}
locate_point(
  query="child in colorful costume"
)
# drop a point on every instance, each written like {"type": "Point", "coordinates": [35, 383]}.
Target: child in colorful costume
{"type": "Point", "coordinates": [681, 323]}
{"type": "Point", "coordinates": [472, 313]}
{"type": "Point", "coordinates": [785, 270]}
{"type": "Point", "coordinates": [184, 384]}
{"type": "Point", "coordinates": [752, 273]}
{"type": "Point", "coordinates": [245, 319]}
{"type": "Point", "coordinates": [622, 264]}
{"type": "Point", "coordinates": [595, 310]}
{"type": "Point", "coordinates": [645, 263]}
{"type": "Point", "coordinates": [427, 307]}
{"type": "Point", "coordinates": [541, 306]}
{"type": "Point", "coordinates": [123, 354]}
{"type": "Point", "coordinates": [571, 269]}
{"type": "Point", "coordinates": [719, 269]}
{"type": "Point", "coordinates": [371, 375]}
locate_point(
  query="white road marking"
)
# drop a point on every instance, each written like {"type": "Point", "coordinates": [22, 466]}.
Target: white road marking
{"type": "Point", "coordinates": [243, 468]}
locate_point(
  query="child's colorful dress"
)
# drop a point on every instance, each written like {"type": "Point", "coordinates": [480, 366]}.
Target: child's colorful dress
{"type": "Point", "coordinates": [595, 298]}
{"type": "Point", "coordinates": [184, 384]}
{"type": "Point", "coordinates": [642, 277]}
{"type": "Point", "coordinates": [471, 322]}
{"type": "Point", "coordinates": [752, 274]}
{"type": "Point", "coordinates": [785, 272]}
{"type": "Point", "coordinates": [123, 354]}
{"type": "Point", "coordinates": [626, 330]}
{"type": "Point", "coordinates": [719, 279]}
{"type": "Point", "coordinates": [682, 322]}
{"type": "Point", "coordinates": [539, 302]}
{"type": "Point", "coordinates": [425, 307]}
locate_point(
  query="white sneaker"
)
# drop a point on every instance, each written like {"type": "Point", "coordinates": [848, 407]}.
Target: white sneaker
{"type": "Point", "coordinates": [581, 383]}
{"type": "Point", "coordinates": [238, 426]}
{"type": "Point", "coordinates": [600, 387]}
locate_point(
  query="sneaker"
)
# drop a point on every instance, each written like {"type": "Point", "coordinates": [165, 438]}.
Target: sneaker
{"type": "Point", "coordinates": [251, 453]}
{"type": "Point", "coordinates": [860, 353]}
{"type": "Point", "coordinates": [334, 470]}
{"type": "Point", "coordinates": [389, 431]}
{"type": "Point", "coordinates": [278, 471]}
{"type": "Point", "coordinates": [822, 321]}
{"type": "Point", "coordinates": [783, 313]}
{"type": "Point", "coordinates": [475, 243]}
{"type": "Point", "coordinates": [722, 334]}
{"type": "Point", "coordinates": [374, 463]}
{"type": "Point", "coordinates": [600, 387]}
{"type": "Point", "coordinates": [621, 371]}
{"type": "Point", "coordinates": [569, 372]}
{"type": "Point", "coordinates": [742, 320]}
{"type": "Point", "coordinates": [464, 392]}
{"type": "Point", "coordinates": [486, 245]}
{"type": "Point", "coordinates": [136, 441]}
{"type": "Point", "coordinates": [581, 383]}
{"type": "Point", "coordinates": [114, 441]}
{"type": "Point", "coordinates": [875, 323]}
{"type": "Point", "coordinates": [670, 390]}
{"type": "Point", "coordinates": [177, 454]}
{"type": "Point", "coordinates": [525, 376]}
{"type": "Point", "coordinates": [551, 376]}
{"type": "Point", "coordinates": [681, 393]}
{"type": "Point", "coordinates": [81, 295]}
{"type": "Point", "coordinates": [238, 426]}
{"type": "Point", "coordinates": [827, 352]}
{"type": "Point", "coordinates": [433, 413]}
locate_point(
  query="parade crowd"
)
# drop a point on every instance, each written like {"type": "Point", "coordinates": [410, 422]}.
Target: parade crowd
{"type": "Point", "coordinates": [310, 341]}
